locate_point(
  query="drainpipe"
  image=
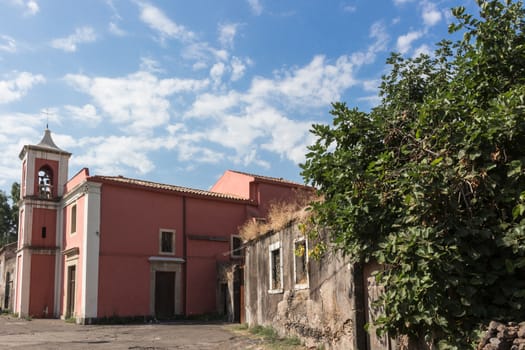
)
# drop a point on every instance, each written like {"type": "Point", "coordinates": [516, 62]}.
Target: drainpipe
{"type": "Point", "coordinates": [185, 257]}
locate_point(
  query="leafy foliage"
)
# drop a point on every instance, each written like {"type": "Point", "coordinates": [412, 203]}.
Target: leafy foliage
{"type": "Point", "coordinates": [431, 182]}
{"type": "Point", "coordinates": [9, 215]}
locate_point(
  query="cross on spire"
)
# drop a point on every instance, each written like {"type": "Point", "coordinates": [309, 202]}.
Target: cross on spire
{"type": "Point", "coordinates": [47, 114]}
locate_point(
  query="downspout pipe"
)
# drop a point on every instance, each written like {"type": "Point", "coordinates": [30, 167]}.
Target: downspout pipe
{"type": "Point", "coordinates": [185, 256]}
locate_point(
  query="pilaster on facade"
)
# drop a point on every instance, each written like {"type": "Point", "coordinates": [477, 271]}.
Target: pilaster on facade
{"type": "Point", "coordinates": [59, 261]}
{"type": "Point", "coordinates": [90, 255]}
{"type": "Point", "coordinates": [23, 270]}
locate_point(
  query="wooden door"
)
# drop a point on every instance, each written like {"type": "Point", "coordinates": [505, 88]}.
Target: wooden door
{"type": "Point", "coordinates": [164, 294]}
{"type": "Point", "coordinates": [7, 293]}
{"type": "Point", "coordinates": [71, 282]}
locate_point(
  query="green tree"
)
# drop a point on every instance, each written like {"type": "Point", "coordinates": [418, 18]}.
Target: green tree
{"type": "Point", "coordinates": [9, 215]}
{"type": "Point", "coordinates": [431, 183]}
{"type": "Point", "coordinates": [15, 198]}
{"type": "Point", "coordinates": [5, 219]}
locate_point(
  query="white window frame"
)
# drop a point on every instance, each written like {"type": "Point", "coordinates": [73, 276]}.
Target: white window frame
{"type": "Point", "coordinates": [307, 284]}
{"type": "Point", "coordinates": [239, 253]}
{"type": "Point", "coordinates": [173, 248]}
{"type": "Point", "coordinates": [73, 216]}
{"type": "Point", "coordinates": [273, 247]}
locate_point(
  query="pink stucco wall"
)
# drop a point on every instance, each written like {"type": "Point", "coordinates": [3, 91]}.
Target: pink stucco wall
{"type": "Point", "coordinates": [232, 182]}
{"type": "Point", "coordinates": [202, 276]}
{"type": "Point", "coordinates": [41, 299]}
{"type": "Point", "coordinates": [44, 218]}
{"type": "Point", "coordinates": [124, 287]}
{"type": "Point", "coordinates": [77, 179]}
{"type": "Point", "coordinates": [268, 193]}
{"type": "Point", "coordinates": [131, 220]}
{"type": "Point", "coordinates": [129, 235]}
{"type": "Point", "coordinates": [205, 218]}
{"type": "Point", "coordinates": [73, 240]}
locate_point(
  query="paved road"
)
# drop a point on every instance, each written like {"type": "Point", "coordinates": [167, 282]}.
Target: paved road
{"type": "Point", "coordinates": [55, 334]}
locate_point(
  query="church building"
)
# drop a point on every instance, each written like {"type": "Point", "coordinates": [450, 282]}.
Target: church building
{"type": "Point", "coordinates": [93, 247]}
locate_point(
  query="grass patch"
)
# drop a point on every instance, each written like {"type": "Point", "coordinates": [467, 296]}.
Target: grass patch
{"type": "Point", "coordinates": [272, 339]}
{"type": "Point", "coordinates": [266, 332]}
{"type": "Point", "coordinates": [241, 327]}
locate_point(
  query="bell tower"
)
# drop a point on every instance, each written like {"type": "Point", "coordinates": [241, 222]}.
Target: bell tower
{"type": "Point", "coordinates": [44, 175]}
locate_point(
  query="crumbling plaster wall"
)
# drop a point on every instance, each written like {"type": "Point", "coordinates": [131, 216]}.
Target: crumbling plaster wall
{"type": "Point", "coordinates": [7, 270]}
{"type": "Point", "coordinates": [321, 314]}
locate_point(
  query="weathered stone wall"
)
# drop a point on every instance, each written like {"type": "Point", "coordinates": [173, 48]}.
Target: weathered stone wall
{"type": "Point", "coordinates": [7, 275]}
{"type": "Point", "coordinates": [501, 336]}
{"type": "Point", "coordinates": [321, 313]}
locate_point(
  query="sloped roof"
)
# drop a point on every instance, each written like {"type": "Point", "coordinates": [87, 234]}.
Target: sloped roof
{"type": "Point", "coordinates": [271, 179]}
{"type": "Point", "coordinates": [46, 144]}
{"type": "Point", "coordinates": [165, 187]}
{"type": "Point", "coordinates": [47, 141]}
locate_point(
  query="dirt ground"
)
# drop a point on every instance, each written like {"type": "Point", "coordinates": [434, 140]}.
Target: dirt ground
{"type": "Point", "coordinates": [56, 334]}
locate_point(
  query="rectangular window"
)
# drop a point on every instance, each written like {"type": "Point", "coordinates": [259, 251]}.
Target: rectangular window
{"type": "Point", "coordinates": [300, 264]}
{"type": "Point", "coordinates": [167, 242]}
{"type": "Point", "coordinates": [73, 219]}
{"type": "Point", "coordinates": [236, 248]}
{"type": "Point", "coordinates": [276, 268]}
{"type": "Point", "coordinates": [44, 232]}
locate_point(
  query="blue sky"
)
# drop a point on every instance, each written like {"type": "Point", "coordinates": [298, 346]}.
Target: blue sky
{"type": "Point", "coordinates": [179, 91]}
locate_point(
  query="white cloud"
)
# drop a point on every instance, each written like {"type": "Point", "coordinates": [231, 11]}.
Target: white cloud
{"type": "Point", "coordinates": [18, 129]}
{"type": "Point", "coordinates": [203, 52]}
{"type": "Point", "coordinates": [423, 50]}
{"type": "Point", "coordinates": [289, 138]}
{"type": "Point", "coordinates": [379, 34]}
{"type": "Point", "coordinates": [158, 21]}
{"type": "Point", "coordinates": [216, 72]}
{"type": "Point", "coordinates": [7, 44]}
{"type": "Point", "coordinates": [371, 85]}
{"type": "Point", "coordinates": [372, 100]}
{"type": "Point", "coordinates": [199, 65]}
{"type": "Point", "coordinates": [257, 120]}
{"type": "Point", "coordinates": [404, 42]}
{"type": "Point", "coordinates": [150, 65]}
{"type": "Point", "coordinates": [15, 88]}
{"type": "Point", "coordinates": [256, 7]}
{"type": "Point", "coordinates": [32, 7]}
{"type": "Point", "coordinates": [115, 29]}
{"type": "Point", "coordinates": [69, 44]}
{"type": "Point", "coordinates": [209, 105]}
{"type": "Point", "coordinates": [401, 2]}
{"type": "Point", "coordinates": [116, 154]}
{"type": "Point", "coordinates": [261, 128]}
{"type": "Point", "coordinates": [238, 68]}
{"type": "Point", "coordinates": [86, 114]}
{"type": "Point", "coordinates": [349, 8]}
{"type": "Point", "coordinates": [227, 33]}
{"type": "Point", "coordinates": [138, 101]}
{"type": "Point", "coordinates": [431, 15]}
{"type": "Point", "coordinates": [313, 85]}
{"type": "Point", "coordinates": [250, 157]}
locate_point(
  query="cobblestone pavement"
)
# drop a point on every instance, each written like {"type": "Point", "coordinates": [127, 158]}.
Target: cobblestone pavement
{"type": "Point", "coordinates": [56, 334]}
